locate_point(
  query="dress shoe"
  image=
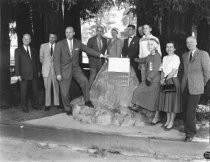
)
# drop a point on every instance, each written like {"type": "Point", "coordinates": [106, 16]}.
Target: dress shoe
{"type": "Point", "coordinates": [163, 126]}
{"type": "Point", "coordinates": [59, 106]}
{"type": "Point", "coordinates": [182, 130]}
{"type": "Point", "coordinates": [168, 129]}
{"type": "Point", "coordinates": [89, 104]}
{"type": "Point", "coordinates": [188, 139]}
{"type": "Point", "coordinates": [155, 121]}
{"type": "Point", "coordinates": [69, 112]}
{"type": "Point", "coordinates": [36, 107]}
{"type": "Point", "coordinates": [46, 108]}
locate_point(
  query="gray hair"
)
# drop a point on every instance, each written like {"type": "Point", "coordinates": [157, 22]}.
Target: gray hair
{"type": "Point", "coordinates": [192, 37]}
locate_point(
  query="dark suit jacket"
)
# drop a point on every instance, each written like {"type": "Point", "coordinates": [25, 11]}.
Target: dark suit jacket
{"type": "Point", "coordinates": [92, 43]}
{"type": "Point", "coordinates": [64, 62]}
{"type": "Point", "coordinates": [133, 50]}
{"type": "Point", "coordinates": [26, 67]}
{"type": "Point", "coordinates": [196, 71]}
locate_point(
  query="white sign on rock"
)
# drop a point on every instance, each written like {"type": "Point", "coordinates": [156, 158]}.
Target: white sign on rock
{"type": "Point", "coordinates": [119, 71]}
{"type": "Point", "coordinates": [119, 65]}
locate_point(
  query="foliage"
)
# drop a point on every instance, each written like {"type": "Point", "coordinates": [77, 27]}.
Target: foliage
{"type": "Point", "coordinates": [199, 8]}
{"type": "Point", "coordinates": [88, 8]}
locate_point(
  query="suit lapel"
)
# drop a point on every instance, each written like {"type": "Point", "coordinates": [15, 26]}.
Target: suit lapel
{"type": "Point", "coordinates": [96, 42]}
{"type": "Point", "coordinates": [74, 47]}
{"type": "Point", "coordinates": [195, 55]}
{"type": "Point", "coordinates": [32, 54]}
{"type": "Point", "coordinates": [126, 42]}
{"type": "Point", "coordinates": [103, 42]}
{"type": "Point", "coordinates": [25, 53]}
{"type": "Point", "coordinates": [132, 41]}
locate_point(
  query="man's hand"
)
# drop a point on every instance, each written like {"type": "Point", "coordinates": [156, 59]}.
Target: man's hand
{"type": "Point", "coordinates": [103, 56]}
{"type": "Point", "coordinates": [59, 78]}
{"type": "Point", "coordinates": [162, 81]}
{"type": "Point", "coordinates": [19, 78]}
{"type": "Point", "coordinates": [147, 82]}
{"type": "Point", "coordinates": [137, 60]}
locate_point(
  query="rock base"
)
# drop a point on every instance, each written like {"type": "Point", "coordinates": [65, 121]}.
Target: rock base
{"type": "Point", "coordinates": [121, 116]}
{"type": "Point", "coordinates": [111, 101]}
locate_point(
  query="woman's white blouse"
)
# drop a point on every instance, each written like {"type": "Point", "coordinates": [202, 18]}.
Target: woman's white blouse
{"type": "Point", "coordinates": [170, 62]}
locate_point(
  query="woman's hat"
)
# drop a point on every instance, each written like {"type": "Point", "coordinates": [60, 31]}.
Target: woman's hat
{"type": "Point", "coordinates": [115, 29]}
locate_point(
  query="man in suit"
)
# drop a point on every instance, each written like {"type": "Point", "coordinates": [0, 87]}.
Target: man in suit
{"type": "Point", "coordinates": [196, 74]}
{"type": "Point", "coordinates": [66, 63]}
{"type": "Point", "coordinates": [48, 73]}
{"type": "Point", "coordinates": [131, 49]}
{"type": "Point", "coordinates": [98, 43]}
{"type": "Point", "coordinates": [27, 71]}
{"type": "Point", "coordinates": [143, 49]}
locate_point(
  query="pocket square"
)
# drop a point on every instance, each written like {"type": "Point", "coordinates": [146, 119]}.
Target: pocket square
{"type": "Point", "coordinates": [76, 49]}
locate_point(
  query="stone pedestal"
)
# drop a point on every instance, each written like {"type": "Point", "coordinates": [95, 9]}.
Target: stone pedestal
{"type": "Point", "coordinates": [111, 103]}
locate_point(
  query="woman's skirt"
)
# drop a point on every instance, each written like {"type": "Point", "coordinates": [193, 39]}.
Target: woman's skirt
{"type": "Point", "coordinates": [147, 97]}
{"type": "Point", "coordinates": [171, 101]}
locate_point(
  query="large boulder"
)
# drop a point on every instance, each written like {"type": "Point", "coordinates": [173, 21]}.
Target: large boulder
{"type": "Point", "coordinates": [112, 95]}
{"type": "Point", "coordinates": [111, 102]}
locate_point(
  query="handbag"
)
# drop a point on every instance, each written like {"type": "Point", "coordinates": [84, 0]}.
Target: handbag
{"type": "Point", "coordinates": [168, 87]}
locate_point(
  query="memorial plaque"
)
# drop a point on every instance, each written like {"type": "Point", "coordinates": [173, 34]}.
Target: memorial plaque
{"type": "Point", "coordinates": [119, 71]}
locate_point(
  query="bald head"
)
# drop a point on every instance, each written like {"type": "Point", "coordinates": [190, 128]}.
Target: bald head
{"type": "Point", "coordinates": [191, 43]}
{"type": "Point", "coordinates": [26, 39]}
{"type": "Point", "coordinates": [69, 32]}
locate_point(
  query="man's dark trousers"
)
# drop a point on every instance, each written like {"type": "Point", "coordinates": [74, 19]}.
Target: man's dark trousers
{"type": "Point", "coordinates": [189, 105]}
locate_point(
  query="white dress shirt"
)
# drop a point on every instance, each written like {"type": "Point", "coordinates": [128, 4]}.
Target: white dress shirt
{"type": "Point", "coordinates": [99, 41]}
{"type": "Point", "coordinates": [130, 39]}
{"type": "Point", "coordinates": [53, 46]}
{"type": "Point", "coordinates": [70, 44]}
{"type": "Point", "coordinates": [193, 52]}
{"type": "Point", "coordinates": [29, 50]}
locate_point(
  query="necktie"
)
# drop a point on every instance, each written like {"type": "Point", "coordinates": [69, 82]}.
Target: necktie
{"type": "Point", "coordinates": [51, 50]}
{"type": "Point", "coordinates": [191, 56]}
{"type": "Point", "coordinates": [99, 44]}
{"type": "Point", "coordinates": [27, 51]}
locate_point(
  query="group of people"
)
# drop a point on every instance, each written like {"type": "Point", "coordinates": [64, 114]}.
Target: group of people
{"type": "Point", "coordinates": [60, 62]}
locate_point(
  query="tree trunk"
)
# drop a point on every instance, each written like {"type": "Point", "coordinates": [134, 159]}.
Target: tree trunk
{"type": "Point", "coordinates": [4, 55]}
{"type": "Point", "coordinates": [23, 22]}
{"type": "Point", "coordinates": [203, 35]}
{"type": "Point", "coordinates": [72, 18]}
{"type": "Point", "coordinates": [52, 21]}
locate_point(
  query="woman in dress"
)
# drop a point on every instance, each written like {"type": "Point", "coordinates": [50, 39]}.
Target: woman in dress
{"type": "Point", "coordinates": [169, 102]}
{"type": "Point", "coordinates": [146, 95]}
{"type": "Point", "coordinates": [114, 47]}
{"type": "Point", "coordinates": [106, 94]}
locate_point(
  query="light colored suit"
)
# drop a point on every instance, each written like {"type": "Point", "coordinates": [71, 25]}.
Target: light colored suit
{"type": "Point", "coordinates": [48, 74]}
{"type": "Point", "coordinates": [114, 48]}
{"type": "Point", "coordinates": [196, 71]}
{"type": "Point", "coordinates": [67, 65]}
